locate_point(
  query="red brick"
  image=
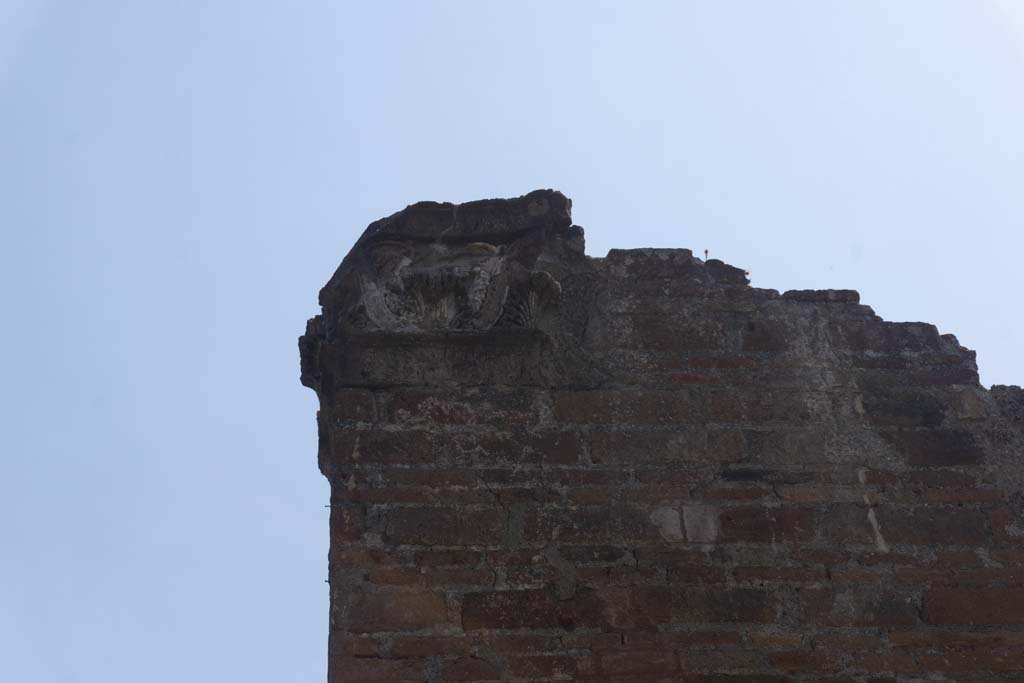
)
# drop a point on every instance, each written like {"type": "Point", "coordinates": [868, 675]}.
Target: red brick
{"type": "Point", "coordinates": [696, 574]}
{"type": "Point", "coordinates": [638, 448]}
{"type": "Point", "coordinates": [349, 447]}
{"type": "Point", "coordinates": [445, 526]}
{"type": "Point", "coordinates": [775, 641]}
{"type": "Point", "coordinates": [528, 609]}
{"type": "Point", "coordinates": [354, 646]}
{"type": "Point", "coordinates": [802, 660]}
{"type": "Point", "coordinates": [554, 448]}
{"type": "Point", "coordinates": [662, 333]}
{"type": "Point", "coordinates": [931, 525]}
{"type": "Point", "coordinates": [449, 577]}
{"type": "Point", "coordinates": [881, 336]}
{"type": "Point", "coordinates": [714, 604]}
{"type": "Point", "coordinates": [766, 335]}
{"type": "Point", "coordinates": [538, 667]}
{"type": "Point", "coordinates": [592, 641]}
{"type": "Point", "coordinates": [936, 448]}
{"type": "Point", "coordinates": [424, 646]}
{"type": "Point", "coordinates": [848, 641]}
{"type": "Point", "coordinates": [960, 576]}
{"type": "Point", "coordinates": [963, 496]}
{"type": "Point", "coordinates": [643, 607]}
{"type": "Point", "coordinates": [394, 611]}
{"type": "Point", "coordinates": [766, 525]}
{"type": "Point", "coordinates": [857, 607]}
{"type": "Point", "coordinates": [723, 362]}
{"type": "Point", "coordinates": [999, 606]}
{"type": "Point", "coordinates": [973, 661]}
{"type": "Point", "coordinates": [445, 558]}
{"type": "Point", "coordinates": [608, 407]}
{"type": "Point", "coordinates": [697, 640]}
{"type": "Point", "coordinates": [787, 574]}
{"type": "Point", "coordinates": [431, 408]}
{"type": "Point", "coordinates": [520, 643]}
{"type": "Point", "coordinates": [373, 670]}
{"type": "Point", "coordinates": [638, 662]}
{"type": "Point", "coordinates": [587, 524]}
{"type": "Point", "coordinates": [853, 575]}
{"type": "Point", "coordinates": [470, 669]}
{"type": "Point", "coordinates": [930, 638]}
{"type": "Point", "coordinates": [348, 522]}
{"type": "Point", "coordinates": [352, 405]}
{"type": "Point", "coordinates": [394, 576]}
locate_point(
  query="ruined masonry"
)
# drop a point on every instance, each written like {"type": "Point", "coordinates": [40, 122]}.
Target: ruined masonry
{"type": "Point", "coordinates": [546, 466]}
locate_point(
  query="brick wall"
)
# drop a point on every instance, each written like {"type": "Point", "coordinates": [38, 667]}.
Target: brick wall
{"type": "Point", "coordinates": [546, 466]}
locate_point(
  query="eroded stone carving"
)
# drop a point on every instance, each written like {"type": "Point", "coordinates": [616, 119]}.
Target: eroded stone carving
{"type": "Point", "coordinates": [453, 268]}
{"type": "Point", "coordinates": [441, 287]}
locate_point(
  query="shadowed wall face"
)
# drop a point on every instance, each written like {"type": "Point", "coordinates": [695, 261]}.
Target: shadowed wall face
{"type": "Point", "coordinates": [546, 466]}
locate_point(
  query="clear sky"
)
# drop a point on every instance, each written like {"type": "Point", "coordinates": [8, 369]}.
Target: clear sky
{"type": "Point", "coordinates": [178, 179]}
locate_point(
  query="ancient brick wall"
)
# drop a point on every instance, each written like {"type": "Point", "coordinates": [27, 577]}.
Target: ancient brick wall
{"type": "Point", "coordinates": [546, 466]}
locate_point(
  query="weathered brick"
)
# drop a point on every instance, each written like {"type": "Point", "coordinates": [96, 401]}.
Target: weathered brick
{"type": "Point", "coordinates": [803, 660]}
{"type": "Point", "coordinates": [470, 669]}
{"type": "Point", "coordinates": [519, 643]}
{"type": "Point", "coordinates": [608, 407]}
{"type": "Point", "coordinates": [936, 447]}
{"type": "Point", "coordinates": [425, 646]}
{"type": "Point", "coordinates": [637, 607]}
{"type": "Point", "coordinates": [352, 405]}
{"type": "Point", "coordinates": [637, 448]}
{"type": "Point", "coordinates": [845, 641]}
{"type": "Point", "coordinates": [529, 609]}
{"type": "Point", "coordinates": [775, 641]}
{"type": "Point", "coordinates": [858, 607]}
{"type": "Point", "coordinates": [432, 408]}
{"type": "Point", "coordinates": [546, 667]}
{"type": "Point", "coordinates": [665, 333]}
{"type": "Point", "coordinates": [394, 611]}
{"type": "Point", "coordinates": [373, 670]}
{"type": "Point", "coordinates": [349, 447]}
{"type": "Point", "coordinates": [394, 576]}
{"type": "Point", "coordinates": [348, 522]}
{"type": "Point", "coordinates": [973, 661]}
{"type": "Point", "coordinates": [724, 361]}
{"type": "Point", "coordinates": [786, 446]}
{"type": "Point", "coordinates": [929, 638]}
{"type": "Point", "coordinates": [903, 407]}
{"type": "Point", "coordinates": [766, 524]}
{"type": "Point", "coordinates": [840, 296]}
{"type": "Point", "coordinates": [711, 604]}
{"type": "Point", "coordinates": [884, 337]}
{"type": "Point", "coordinates": [586, 524]}
{"type": "Point", "coordinates": [931, 525]}
{"type": "Point", "coordinates": [999, 606]}
{"type": "Point", "coordinates": [767, 335]}
{"type": "Point", "coordinates": [734, 678]}
{"type": "Point", "coordinates": [445, 526]}
{"type": "Point", "coordinates": [786, 574]}
{"type": "Point", "coordinates": [638, 662]}
{"type": "Point", "coordinates": [640, 469]}
{"type": "Point", "coordinates": [700, 640]}
{"type": "Point", "coordinates": [353, 646]}
{"type": "Point", "coordinates": [445, 558]}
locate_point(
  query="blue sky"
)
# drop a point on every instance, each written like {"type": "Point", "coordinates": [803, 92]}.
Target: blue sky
{"type": "Point", "coordinates": [178, 179]}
